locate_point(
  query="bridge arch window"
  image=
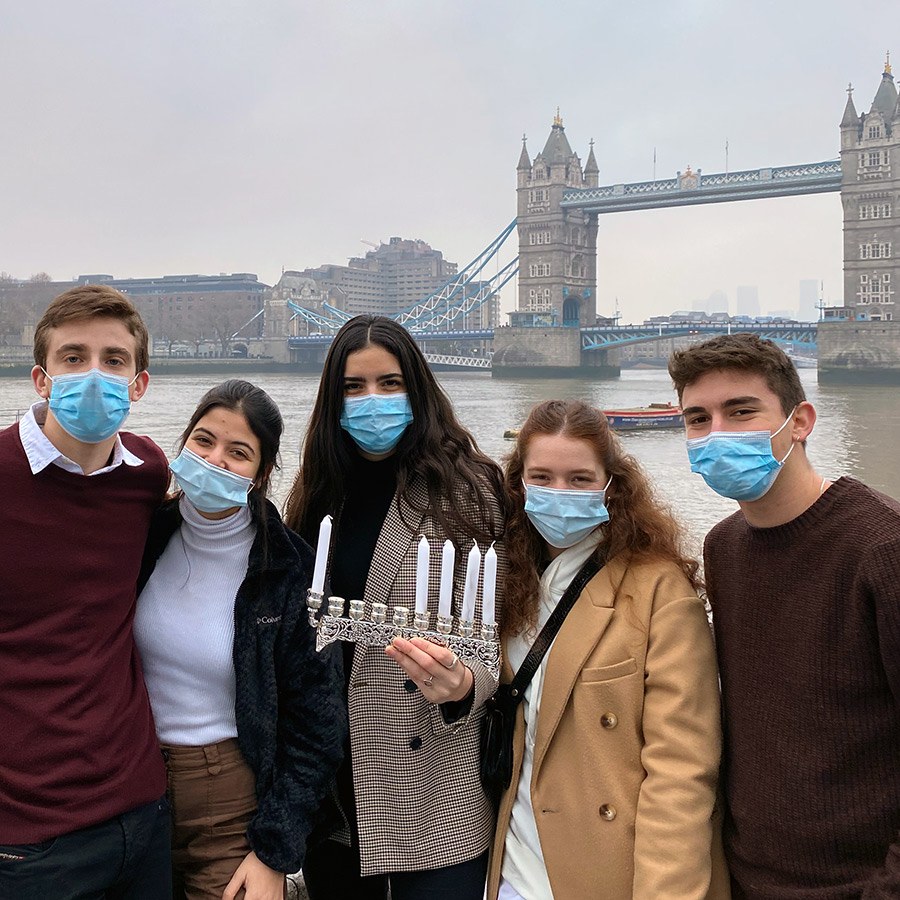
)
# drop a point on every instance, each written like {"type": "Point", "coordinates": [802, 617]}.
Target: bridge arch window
{"type": "Point", "coordinates": [875, 250]}
{"type": "Point", "coordinates": [874, 131]}
{"type": "Point", "coordinates": [539, 237]}
{"type": "Point", "coordinates": [539, 270]}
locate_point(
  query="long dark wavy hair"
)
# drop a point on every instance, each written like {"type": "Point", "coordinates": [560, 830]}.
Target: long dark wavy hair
{"type": "Point", "coordinates": [434, 447]}
{"type": "Point", "coordinates": [264, 419]}
{"type": "Point", "coordinates": [638, 525]}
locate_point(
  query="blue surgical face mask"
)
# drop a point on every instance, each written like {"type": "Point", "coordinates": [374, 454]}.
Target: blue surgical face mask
{"type": "Point", "coordinates": [737, 464]}
{"type": "Point", "coordinates": [90, 406]}
{"type": "Point", "coordinates": [210, 488]}
{"type": "Point", "coordinates": [563, 518]}
{"type": "Point", "coordinates": [376, 422]}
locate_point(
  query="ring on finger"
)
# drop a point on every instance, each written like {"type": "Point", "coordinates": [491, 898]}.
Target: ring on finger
{"type": "Point", "coordinates": [429, 681]}
{"type": "Point", "coordinates": [453, 664]}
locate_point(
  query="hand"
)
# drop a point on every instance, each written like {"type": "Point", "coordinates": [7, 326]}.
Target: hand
{"type": "Point", "coordinates": [257, 879]}
{"type": "Point", "coordinates": [437, 670]}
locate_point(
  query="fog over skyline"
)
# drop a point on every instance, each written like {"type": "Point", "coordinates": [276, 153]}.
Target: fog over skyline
{"type": "Point", "coordinates": [143, 139]}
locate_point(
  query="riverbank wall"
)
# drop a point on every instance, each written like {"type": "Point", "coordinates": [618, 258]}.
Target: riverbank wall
{"type": "Point", "coordinates": [859, 352]}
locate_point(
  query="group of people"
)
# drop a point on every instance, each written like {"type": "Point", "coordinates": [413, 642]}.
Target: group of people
{"type": "Point", "coordinates": [168, 728]}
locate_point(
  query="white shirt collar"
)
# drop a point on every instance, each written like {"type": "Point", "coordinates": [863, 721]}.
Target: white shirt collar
{"type": "Point", "coordinates": [42, 453]}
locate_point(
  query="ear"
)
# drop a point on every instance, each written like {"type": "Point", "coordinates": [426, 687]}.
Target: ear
{"type": "Point", "coordinates": [139, 388]}
{"type": "Point", "coordinates": [803, 421]}
{"type": "Point", "coordinates": [41, 381]}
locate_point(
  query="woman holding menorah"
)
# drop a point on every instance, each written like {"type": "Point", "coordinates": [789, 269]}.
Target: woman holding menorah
{"type": "Point", "coordinates": [249, 716]}
{"type": "Point", "coordinates": [385, 455]}
{"type": "Point", "coordinates": [611, 766]}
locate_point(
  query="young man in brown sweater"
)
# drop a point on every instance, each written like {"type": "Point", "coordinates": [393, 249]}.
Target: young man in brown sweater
{"type": "Point", "coordinates": [804, 582]}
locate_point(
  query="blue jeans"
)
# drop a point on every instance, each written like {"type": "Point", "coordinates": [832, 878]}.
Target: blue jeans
{"type": "Point", "coordinates": [125, 858]}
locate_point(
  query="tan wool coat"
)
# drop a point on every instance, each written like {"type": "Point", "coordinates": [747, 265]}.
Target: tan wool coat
{"type": "Point", "coordinates": [628, 744]}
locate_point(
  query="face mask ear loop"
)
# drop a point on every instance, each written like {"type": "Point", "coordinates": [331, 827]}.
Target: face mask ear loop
{"type": "Point", "coordinates": [608, 483]}
{"type": "Point", "coordinates": [774, 433]}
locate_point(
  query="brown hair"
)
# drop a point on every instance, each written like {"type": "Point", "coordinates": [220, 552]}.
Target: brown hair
{"type": "Point", "coordinates": [91, 301]}
{"type": "Point", "coordinates": [638, 525]}
{"type": "Point", "coordinates": [747, 352]}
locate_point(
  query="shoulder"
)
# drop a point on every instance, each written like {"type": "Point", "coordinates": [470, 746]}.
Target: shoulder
{"type": "Point", "coordinates": [144, 448]}
{"type": "Point", "coordinates": [654, 581]}
{"type": "Point", "coordinates": [285, 545]}
{"type": "Point", "coordinates": [879, 512]}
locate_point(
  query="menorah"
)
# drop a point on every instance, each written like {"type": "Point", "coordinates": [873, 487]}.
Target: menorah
{"type": "Point", "coordinates": [348, 622]}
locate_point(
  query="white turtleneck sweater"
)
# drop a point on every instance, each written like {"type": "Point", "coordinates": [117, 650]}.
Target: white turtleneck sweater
{"type": "Point", "coordinates": [184, 627]}
{"type": "Point", "coordinates": [524, 871]}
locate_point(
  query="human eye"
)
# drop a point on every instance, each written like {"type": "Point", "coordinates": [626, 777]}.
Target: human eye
{"type": "Point", "coordinates": [351, 387]}
{"type": "Point", "coordinates": [201, 439]}
{"type": "Point", "coordinates": [538, 477]}
{"type": "Point", "coordinates": [71, 359]}
{"type": "Point", "coordinates": [696, 419]}
{"type": "Point", "coordinates": [115, 362]}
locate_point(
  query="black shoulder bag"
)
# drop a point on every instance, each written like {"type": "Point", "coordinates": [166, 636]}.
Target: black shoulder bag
{"type": "Point", "coordinates": [499, 720]}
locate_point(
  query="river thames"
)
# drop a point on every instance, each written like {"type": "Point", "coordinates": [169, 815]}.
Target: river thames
{"type": "Point", "coordinates": [857, 433]}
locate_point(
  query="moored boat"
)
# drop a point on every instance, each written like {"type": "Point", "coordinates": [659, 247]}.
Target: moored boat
{"type": "Point", "coordinates": [656, 415]}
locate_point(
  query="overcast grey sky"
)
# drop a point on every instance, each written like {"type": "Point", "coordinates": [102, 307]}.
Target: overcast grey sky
{"type": "Point", "coordinates": [205, 136]}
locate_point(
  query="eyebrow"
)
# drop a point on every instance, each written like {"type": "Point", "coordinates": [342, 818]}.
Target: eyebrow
{"type": "Point", "coordinates": [379, 378]}
{"type": "Point", "coordinates": [728, 404]}
{"type": "Point", "coordinates": [216, 437]}
{"type": "Point", "coordinates": [82, 348]}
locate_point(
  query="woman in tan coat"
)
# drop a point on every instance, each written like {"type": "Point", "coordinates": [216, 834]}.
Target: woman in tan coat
{"type": "Point", "coordinates": [617, 742]}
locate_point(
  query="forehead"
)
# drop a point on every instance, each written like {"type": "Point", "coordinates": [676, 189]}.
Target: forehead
{"type": "Point", "coordinates": [97, 333]}
{"type": "Point", "coordinates": [228, 425]}
{"type": "Point", "coordinates": [560, 452]}
{"type": "Point", "coordinates": [715, 388]}
{"type": "Point", "coordinates": [371, 359]}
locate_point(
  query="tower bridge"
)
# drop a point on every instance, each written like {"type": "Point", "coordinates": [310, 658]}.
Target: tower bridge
{"type": "Point", "coordinates": [555, 328]}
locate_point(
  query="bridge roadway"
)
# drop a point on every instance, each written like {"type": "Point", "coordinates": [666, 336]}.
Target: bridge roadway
{"type": "Point", "coordinates": [689, 188]}
{"type": "Point", "coordinates": [597, 337]}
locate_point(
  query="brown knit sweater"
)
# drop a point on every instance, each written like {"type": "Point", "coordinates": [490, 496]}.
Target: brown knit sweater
{"type": "Point", "coordinates": [807, 622]}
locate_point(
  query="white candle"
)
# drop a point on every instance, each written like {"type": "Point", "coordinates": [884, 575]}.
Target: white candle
{"type": "Point", "coordinates": [448, 561]}
{"type": "Point", "coordinates": [489, 590]}
{"type": "Point", "coordinates": [472, 567]}
{"type": "Point", "coordinates": [422, 575]}
{"type": "Point", "coordinates": [322, 548]}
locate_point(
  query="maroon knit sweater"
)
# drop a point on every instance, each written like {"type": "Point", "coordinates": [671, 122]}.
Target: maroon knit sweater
{"type": "Point", "coordinates": [77, 743]}
{"type": "Point", "coordinates": [807, 622]}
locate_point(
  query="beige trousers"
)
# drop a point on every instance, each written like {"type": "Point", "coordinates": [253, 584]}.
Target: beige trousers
{"type": "Point", "coordinates": [212, 794]}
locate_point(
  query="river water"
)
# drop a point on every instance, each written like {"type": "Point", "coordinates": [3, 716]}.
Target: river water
{"type": "Point", "coordinates": [857, 433]}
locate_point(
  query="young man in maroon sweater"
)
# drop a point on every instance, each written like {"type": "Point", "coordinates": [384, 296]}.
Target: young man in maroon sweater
{"type": "Point", "coordinates": [804, 583]}
{"type": "Point", "coordinates": [82, 811]}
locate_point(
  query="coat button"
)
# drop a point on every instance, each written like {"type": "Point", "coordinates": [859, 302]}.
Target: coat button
{"type": "Point", "coordinates": [410, 686]}
{"type": "Point", "coordinates": [607, 812]}
{"type": "Point", "coordinates": [415, 743]}
{"type": "Point", "coordinates": [609, 720]}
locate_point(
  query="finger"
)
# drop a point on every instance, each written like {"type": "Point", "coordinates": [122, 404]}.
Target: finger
{"type": "Point", "coordinates": [409, 665]}
{"type": "Point", "coordinates": [232, 887]}
{"type": "Point", "coordinates": [444, 655]}
{"type": "Point", "coordinates": [421, 657]}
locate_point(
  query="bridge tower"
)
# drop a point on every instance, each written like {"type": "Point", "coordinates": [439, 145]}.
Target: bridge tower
{"type": "Point", "coordinates": [557, 247]}
{"type": "Point", "coordinates": [870, 195]}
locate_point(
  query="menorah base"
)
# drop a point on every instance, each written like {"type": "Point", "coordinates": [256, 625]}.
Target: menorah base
{"type": "Point", "coordinates": [371, 634]}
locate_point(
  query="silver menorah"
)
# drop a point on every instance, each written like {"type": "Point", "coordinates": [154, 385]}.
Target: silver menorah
{"type": "Point", "coordinates": [334, 625]}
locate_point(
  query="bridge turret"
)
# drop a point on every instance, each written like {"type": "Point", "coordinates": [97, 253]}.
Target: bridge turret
{"type": "Point", "coordinates": [591, 169]}
{"type": "Point", "coordinates": [870, 181]}
{"type": "Point", "coordinates": [886, 96]}
{"type": "Point", "coordinates": [523, 169]}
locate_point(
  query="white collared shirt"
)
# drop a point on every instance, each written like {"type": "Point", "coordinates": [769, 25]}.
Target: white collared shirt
{"type": "Point", "coordinates": [42, 453]}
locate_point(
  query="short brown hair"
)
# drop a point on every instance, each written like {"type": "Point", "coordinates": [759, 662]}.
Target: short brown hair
{"type": "Point", "coordinates": [91, 301]}
{"type": "Point", "coordinates": [746, 352]}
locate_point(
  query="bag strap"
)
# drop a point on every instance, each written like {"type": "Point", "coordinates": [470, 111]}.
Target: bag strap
{"type": "Point", "coordinates": [542, 643]}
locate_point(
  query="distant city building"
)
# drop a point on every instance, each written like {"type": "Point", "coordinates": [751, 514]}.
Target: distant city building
{"type": "Point", "coordinates": [388, 279]}
{"type": "Point", "coordinates": [807, 310]}
{"type": "Point", "coordinates": [197, 309]}
{"type": "Point", "coordinates": [747, 300]}
{"type": "Point", "coordinates": [870, 192]}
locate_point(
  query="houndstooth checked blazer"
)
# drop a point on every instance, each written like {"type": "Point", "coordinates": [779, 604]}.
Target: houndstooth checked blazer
{"type": "Point", "coordinates": [420, 804]}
